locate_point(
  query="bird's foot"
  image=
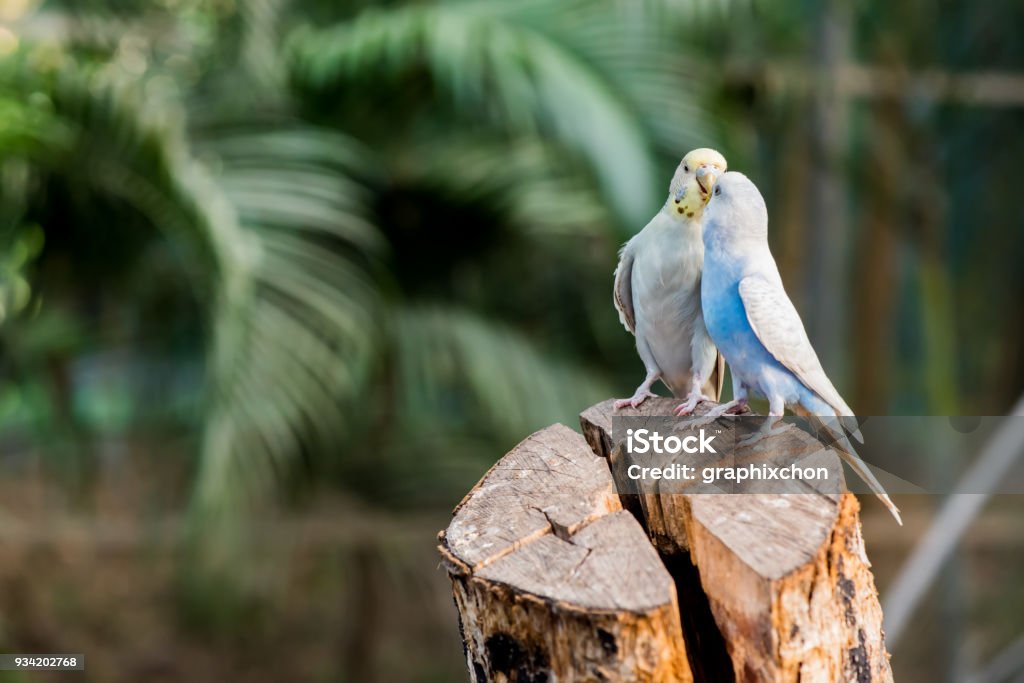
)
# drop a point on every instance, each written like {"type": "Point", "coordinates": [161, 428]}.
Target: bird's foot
{"type": "Point", "coordinates": [731, 408]}
{"type": "Point", "coordinates": [692, 400]}
{"type": "Point", "coordinates": [635, 400]}
{"type": "Point", "coordinates": [736, 407]}
{"type": "Point", "coordinates": [760, 435]}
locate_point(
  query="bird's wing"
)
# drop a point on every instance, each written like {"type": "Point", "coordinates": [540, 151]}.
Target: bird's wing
{"type": "Point", "coordinates": [778, 326]}
{"type": "Point", "coordinates": [623, 295]}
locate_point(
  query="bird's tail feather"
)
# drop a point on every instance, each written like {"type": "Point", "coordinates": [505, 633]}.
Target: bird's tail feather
{"type": "Point", "coordinates": [851, 427]}
{"type": "Point", "coordinates": [832, 425]}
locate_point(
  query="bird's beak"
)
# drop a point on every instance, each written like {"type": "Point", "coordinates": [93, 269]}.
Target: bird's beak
{"type": "Point", "coordinates": [706, 178]}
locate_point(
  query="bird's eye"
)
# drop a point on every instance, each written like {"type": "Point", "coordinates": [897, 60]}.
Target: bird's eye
{"type": "Point", "coordinates": [718, 190]}
{"type": "Point", "coordinates": [686, 169]}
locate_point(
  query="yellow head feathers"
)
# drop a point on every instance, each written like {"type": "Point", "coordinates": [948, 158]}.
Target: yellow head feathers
{"type": "Point", "coordinates": [693, 181]}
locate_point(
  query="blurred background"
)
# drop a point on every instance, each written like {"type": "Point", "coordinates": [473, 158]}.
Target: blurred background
{"type": "Point", "coordinates": [280, 279]}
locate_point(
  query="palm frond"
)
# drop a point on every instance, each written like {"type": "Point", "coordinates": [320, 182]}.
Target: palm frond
{"type": "Point", "coordinates": [646, 59]}
{"type": "Point", "coordinates": [311, 325]}
{"type": "Point", "coordinates": [536, 188]}
{"type": "Point", "coordinates": [494, 56]}
{"type": "Point", "coordinates": [456, 361]}
{"type": "Point", "coordinates": [464, 387]}
{"type": "Point", "coordinates": [277, 246]}
{"type": "Point", "coordinates": [295, 177]}
{"type": "Point", "coordinates": [684, 13]}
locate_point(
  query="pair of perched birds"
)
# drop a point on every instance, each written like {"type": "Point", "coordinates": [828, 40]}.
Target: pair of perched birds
{"type": "Point", "coordinates": [698, 287]}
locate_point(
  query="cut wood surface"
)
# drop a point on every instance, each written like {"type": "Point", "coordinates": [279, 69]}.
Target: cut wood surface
{"type": "Point", "coordinates": [556, 580]}
{"type": "Point", "coordinates": [552, 580]}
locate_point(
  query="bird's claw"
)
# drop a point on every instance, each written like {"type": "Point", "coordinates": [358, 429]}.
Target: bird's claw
{"type": "Point", "coordinates": [635, 400]}
{"type": "Point", "coordinates": [760, 435]}
{"type": "Point", "coordinates": [731, 408]}
{"type": "Point", "coordinates": [690, 404]}
{"type": "Point", "coordinates": [735, 408]}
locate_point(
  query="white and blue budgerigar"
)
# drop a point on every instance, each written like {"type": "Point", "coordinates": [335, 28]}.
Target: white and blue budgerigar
{"type": "Point", "coordinates": [657, 290]}
{"type": "Point", "coordinates": [755, 326]}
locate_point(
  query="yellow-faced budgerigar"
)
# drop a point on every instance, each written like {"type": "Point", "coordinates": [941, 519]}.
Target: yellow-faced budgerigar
{"type": "Point", "coordinates": [757, 329]}
{"type": "Point", "coordinates": [657, 290]}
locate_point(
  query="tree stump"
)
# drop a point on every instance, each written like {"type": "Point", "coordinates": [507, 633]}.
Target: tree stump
{"type": "Point", "coordinates": [555, 581]}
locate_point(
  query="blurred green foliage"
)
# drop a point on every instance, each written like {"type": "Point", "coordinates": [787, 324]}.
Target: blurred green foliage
{"type": "Point", "coordinates": [387, 241]}
{"type": "Point", "coordinates": [336, 239]}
